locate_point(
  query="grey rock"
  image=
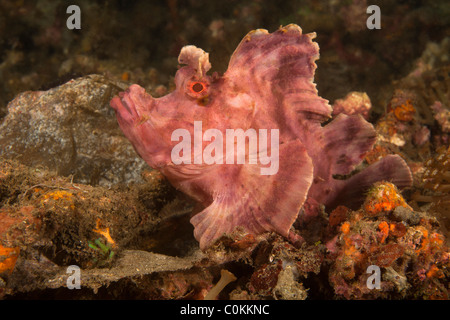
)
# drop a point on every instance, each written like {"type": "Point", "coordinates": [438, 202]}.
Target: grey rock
{"type": "Point", "coordinates": [71, 129]}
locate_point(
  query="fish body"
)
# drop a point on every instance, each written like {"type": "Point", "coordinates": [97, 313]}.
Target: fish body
{"type": "Point", "coordinates": [250, 145]}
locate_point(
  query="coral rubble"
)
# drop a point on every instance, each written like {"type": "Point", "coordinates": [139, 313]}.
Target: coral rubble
{"type": "Point", "coordinates": [406, 245]}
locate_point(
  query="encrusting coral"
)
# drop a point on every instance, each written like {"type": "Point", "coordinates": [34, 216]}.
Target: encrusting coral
{"type": "Point", "coordinates": [407, 247]}
{"type": "Point", "coordinates": [268, 86]}
{"type": "Point", "coordinates": [8, 258]}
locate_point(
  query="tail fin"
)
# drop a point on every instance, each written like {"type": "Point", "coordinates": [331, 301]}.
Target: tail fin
{"type": "Point", "coordinates": [391, 168]}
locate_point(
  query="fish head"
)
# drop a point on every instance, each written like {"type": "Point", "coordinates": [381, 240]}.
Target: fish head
{"type": "Point", "coordinates": [153, 124]}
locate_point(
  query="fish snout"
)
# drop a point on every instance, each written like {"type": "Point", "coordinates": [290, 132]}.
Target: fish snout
{"type": "Point", "coordinates": [130, 105]}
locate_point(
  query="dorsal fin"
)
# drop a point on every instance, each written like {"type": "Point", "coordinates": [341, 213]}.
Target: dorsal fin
{"type": "Point", "coordinates": [282, 64]}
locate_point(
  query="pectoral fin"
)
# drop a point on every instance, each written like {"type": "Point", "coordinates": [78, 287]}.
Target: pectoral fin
{"type": "Point", "coordinates": [256, 202]}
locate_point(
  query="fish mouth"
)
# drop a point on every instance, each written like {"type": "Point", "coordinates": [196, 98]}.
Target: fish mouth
{"type": "Point", "coordinates": [132, 104]}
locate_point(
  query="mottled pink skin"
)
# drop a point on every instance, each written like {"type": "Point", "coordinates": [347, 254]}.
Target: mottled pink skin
{"type": "Point", "coordinates": [268, 85]}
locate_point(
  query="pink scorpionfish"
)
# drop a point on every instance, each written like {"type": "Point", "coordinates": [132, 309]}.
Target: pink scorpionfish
{"type": "Point", "coordinates": [249, 145]}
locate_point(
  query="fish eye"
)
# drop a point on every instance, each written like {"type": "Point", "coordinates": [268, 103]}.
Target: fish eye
{"type": "Point", "coordinates": [197, 88]}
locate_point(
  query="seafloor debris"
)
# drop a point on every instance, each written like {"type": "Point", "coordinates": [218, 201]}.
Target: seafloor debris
{"type": "Point", "coordinates": [407, 247]}
{"type": "Point", "coordinates": [353, 103]}
{"type": "Point", "coordinates": [225, 278]}
{"type": "Point", "coordinates": [434, 189]}
{"type": "Point", "coordinates": [49, 223]}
